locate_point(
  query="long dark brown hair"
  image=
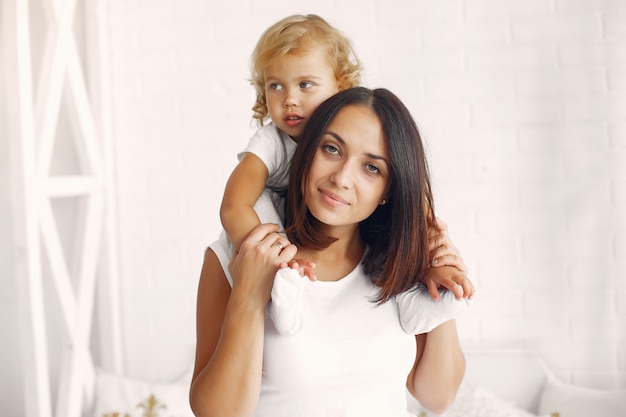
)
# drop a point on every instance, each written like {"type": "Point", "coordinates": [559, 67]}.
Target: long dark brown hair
{"type": "Point", "coordinates": [397, 232]}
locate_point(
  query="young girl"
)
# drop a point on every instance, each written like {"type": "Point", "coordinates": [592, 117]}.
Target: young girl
{"type": "Point", "coordinates": [297, 64]}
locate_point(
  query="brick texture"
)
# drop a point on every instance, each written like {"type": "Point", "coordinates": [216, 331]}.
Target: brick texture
{"type": "Point", "coordinates": [522, 104]}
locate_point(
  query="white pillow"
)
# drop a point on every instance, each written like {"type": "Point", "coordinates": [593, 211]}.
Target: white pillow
{"type": "Point", "coordinates": [574, 401]}
{"type": "Point", "coordinates": [116, 395]}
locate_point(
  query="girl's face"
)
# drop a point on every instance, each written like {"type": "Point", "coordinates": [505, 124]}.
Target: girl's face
{"type": "Point", "coordinates": [295, 86]}
{"type": "Point", "coordinates": [349, 175]}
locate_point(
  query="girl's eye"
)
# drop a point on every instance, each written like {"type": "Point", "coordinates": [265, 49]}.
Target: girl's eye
{"type": "Point", "coordinates": [275, 86]}
{"type": "Point", "coordinates": [306, 84]}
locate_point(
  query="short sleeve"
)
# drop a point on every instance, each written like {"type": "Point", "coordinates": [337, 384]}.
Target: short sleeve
{"type": "Point", "coordinates": [274, 147]}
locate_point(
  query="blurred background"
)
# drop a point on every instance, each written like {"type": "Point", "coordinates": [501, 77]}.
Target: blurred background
{"type": "Point", "coordinates": [120, 121]}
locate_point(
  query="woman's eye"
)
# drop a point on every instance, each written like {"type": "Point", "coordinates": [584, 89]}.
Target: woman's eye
{"type": "Point", "coordinates": [331, 149]}
{"type": "Point", "coordinates": [373, 169]}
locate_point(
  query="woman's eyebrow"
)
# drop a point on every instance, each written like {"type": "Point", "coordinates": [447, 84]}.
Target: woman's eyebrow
{"type": "Point", "coordinates": [336, 136]}
{"type": "Point", "coordinates": [369, 155]}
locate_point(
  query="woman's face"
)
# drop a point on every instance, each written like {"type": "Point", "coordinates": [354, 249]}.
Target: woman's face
{"type": "Point", "coordinates": [349, 176]}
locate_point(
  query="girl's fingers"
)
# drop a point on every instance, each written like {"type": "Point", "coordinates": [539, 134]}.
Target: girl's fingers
{"type": "Point", "coordinates": [450, 260]}
{"type": "Point", "coordinates": [468, 288]}
{"type": "Point", "coordinates": [433, 290]}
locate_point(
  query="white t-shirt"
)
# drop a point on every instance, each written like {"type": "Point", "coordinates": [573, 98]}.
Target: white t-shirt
{"type": "Point", "coordinates": [275, 148]}
{"type": "Point", "coordinates": [350, 359]}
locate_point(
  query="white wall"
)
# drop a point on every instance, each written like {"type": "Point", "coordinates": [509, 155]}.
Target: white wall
{"type": "Point", "coordinates": [523, 105]}
{"type": "Point", "coordinates": [10, 368]}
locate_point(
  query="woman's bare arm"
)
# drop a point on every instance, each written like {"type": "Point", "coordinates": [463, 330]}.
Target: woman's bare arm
{"type": "Point", "coordinates": [230, 325]}
{"type": "Point", "coordinates": [439, 367]}
{"type": "Point", "coordinates": [227, 373]}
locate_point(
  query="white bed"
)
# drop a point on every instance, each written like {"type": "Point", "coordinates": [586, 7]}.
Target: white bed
{"type": "Point", "coordinates": [502, 383]}
{"type": "Point", "coordinates": [517, 383]}
{"type": "Point", "coordinates": [498, 383]}
{"type": "Point", "coordinates": [516, 376]}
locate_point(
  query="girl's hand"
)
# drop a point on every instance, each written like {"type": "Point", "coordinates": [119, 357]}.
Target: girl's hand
{"type": "Point", "coordinates": [449, 269]}
{"type": "Point", "coordinates": [259, 257]}
{"type": "Point", "coordinates": [451, 278]}
{"type": "Point", "coordinates": [442, 250]}
{"type": "Point", "coordinates": [304, 267]}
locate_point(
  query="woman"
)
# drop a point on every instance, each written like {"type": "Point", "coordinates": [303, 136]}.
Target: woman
{"type": "Point", "coordinates": [358, 206]}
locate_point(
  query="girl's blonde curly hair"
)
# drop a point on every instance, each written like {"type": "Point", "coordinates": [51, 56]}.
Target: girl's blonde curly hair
{"type": "Point", "coordinates": [298, 34]}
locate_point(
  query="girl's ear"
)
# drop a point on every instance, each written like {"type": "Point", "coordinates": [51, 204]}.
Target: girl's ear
{"type": "Point", "coordinates": [344, 84]}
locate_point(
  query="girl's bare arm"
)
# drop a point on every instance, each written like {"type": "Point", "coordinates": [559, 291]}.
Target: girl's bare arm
{"type": "Point", "coordinates": [243, 189]}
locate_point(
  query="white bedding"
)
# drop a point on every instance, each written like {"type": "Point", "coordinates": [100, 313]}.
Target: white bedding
{"type": "Point", "coordinates": [516, 376]}
{"type": "Point", "coordinates": [498, 383]}
{"type": "Point", "coordinates": [517, 383]}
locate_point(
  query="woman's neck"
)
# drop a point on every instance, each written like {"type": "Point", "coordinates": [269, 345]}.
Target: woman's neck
{"type": "Point", "coordinates": [338, 259]}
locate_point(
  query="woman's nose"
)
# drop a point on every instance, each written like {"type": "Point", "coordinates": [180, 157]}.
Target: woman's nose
{"type": "Point", "coordinates": [343, 175]}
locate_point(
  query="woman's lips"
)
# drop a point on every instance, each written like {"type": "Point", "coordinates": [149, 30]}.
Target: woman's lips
{"type": "Point", "coordinates": [332, 199]}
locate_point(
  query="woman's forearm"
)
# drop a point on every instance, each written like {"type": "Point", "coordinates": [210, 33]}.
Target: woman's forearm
{"type": "Point", "coordinates": [229, 345]}
{"type": "Point", "coordinates": [230, 325]}
{"type": "Point", "coordinates": [230, 383]}
{"type": "Point", "coordinates": [440, 368]}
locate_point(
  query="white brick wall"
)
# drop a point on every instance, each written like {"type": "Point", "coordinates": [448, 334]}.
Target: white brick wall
{"type": "Point", "coordinates": [523, 105]}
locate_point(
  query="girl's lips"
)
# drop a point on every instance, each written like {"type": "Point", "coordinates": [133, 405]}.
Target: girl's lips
{"type": "Point", "coordinates": [293, 121]}
{"type": "Point", "coordinates": [332, 199]}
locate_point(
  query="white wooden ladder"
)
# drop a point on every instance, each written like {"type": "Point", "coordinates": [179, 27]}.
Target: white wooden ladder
{"type": "Point", "coordinates": [72, 85]}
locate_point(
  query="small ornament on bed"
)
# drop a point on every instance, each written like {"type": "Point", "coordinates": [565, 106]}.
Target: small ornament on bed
{"type": "Point", "coordinates": [151, 406]}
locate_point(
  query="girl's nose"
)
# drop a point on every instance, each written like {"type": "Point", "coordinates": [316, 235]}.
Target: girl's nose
{"type": "Point", "coordinates": [290, 99]}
